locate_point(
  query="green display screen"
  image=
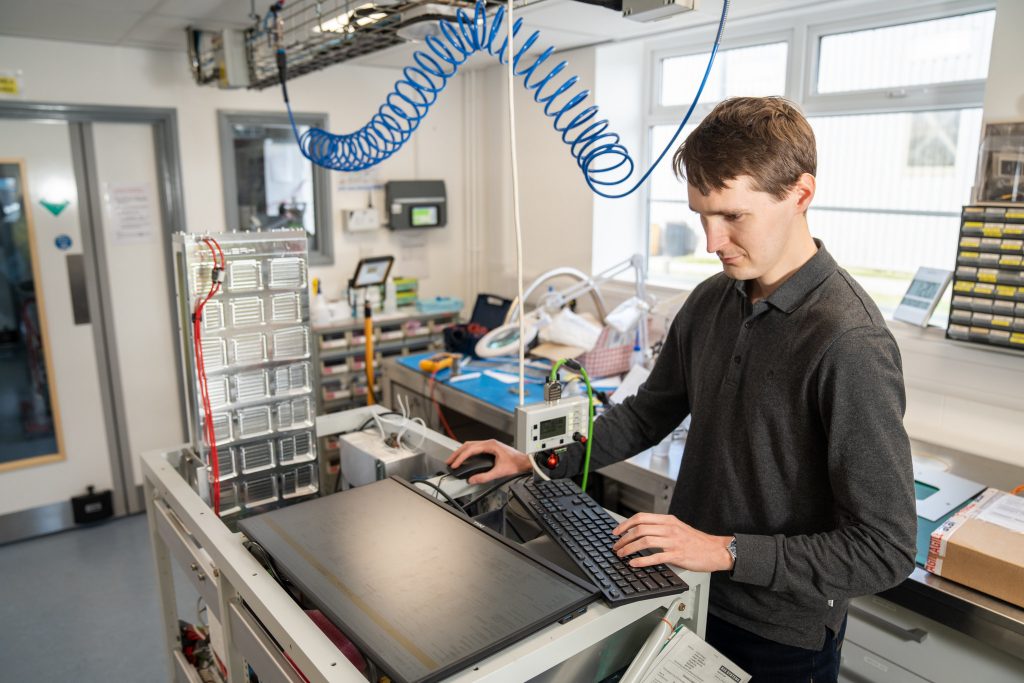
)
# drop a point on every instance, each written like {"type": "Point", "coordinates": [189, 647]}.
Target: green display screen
{"type": "Point", "coordinates": [549, 428]}
{"type": "Point", "coordinates": [423, 216]}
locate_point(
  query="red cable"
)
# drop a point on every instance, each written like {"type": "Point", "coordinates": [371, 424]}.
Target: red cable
{"type": "Point", "coordinates": [440, 413]}
{"type": "Point", "coordinates": [204, 392]}
{"type": "Point", "coordinates": [207, 408]}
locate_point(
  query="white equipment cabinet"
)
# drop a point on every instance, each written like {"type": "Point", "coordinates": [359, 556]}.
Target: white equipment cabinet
{"type": "Point", "coordinates": [262, 627]}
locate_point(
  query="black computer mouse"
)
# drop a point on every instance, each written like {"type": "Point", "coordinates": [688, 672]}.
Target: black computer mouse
{"type": "Point", "coordinates": [474, 464]}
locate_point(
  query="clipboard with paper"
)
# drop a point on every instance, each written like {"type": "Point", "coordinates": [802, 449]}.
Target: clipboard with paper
{"type": "Point", "coordinates": [686, 658]}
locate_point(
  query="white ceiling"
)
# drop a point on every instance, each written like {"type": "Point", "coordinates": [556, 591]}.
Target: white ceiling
{"type": "Point", "coordinates": [156, 24]}
{"type": "Point", "coordinates": [160, 24]}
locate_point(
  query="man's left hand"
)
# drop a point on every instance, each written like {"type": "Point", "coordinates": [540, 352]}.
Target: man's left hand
{"type": "Point", "coordinates": [680, 544]}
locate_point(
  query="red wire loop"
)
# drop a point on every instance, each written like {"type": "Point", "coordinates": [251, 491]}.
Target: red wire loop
{"type": "Point", "coordinates": [204, 393]}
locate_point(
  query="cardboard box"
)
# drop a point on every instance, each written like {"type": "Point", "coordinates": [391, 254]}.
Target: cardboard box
{"type": "Point", "coordinates": [982, 546]}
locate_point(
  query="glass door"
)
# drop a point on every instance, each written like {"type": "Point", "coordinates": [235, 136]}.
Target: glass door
{"type": "Point", "coordinates": [29, 421]}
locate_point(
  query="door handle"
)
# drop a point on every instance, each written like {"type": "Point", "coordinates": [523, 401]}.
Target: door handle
{"type": "Point", "coordinates": [916, 635]}
{"type": "Point", "coordinates": [76, 281]}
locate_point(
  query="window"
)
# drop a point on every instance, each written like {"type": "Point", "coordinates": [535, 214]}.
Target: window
{"type": "Point", "coordinates": [676, 244]}
{"type": "Point", "coordinates": [896, 110]}
{"type": "Point", "coordinates": [947, 50]}
{"type": "Point", "coordinates": [269, 185]}
{"type": "Point", "coordinates": [880, 215]}
{"type": "Point", "coordinates": [933, 136]}
{"type": "Point", "coordinates": [754, 71]}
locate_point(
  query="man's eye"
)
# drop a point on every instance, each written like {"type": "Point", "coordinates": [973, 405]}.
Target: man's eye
{"type": "Point", "coordinates": [733, 217]}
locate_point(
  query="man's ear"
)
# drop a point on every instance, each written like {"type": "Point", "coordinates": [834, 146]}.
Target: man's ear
{"type": "Point", "coordinates": [803, 191]}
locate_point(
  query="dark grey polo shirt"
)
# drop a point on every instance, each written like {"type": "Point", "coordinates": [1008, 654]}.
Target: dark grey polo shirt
{"type": "Point", "coordinates": [796, 446]}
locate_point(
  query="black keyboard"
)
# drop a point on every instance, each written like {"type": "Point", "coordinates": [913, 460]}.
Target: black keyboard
{"type": "Point", "coordinates": [584, 531]}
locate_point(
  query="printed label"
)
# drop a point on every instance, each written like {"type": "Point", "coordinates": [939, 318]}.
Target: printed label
{"type": "Point", "coordinates": [1006, 511]}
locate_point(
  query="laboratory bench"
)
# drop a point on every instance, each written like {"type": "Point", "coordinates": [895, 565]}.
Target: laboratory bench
{"type": "Point", "coordinates": [928, 628]}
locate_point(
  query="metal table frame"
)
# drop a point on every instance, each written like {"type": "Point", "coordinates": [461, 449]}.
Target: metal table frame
{"type": "Point", "coordinates": [260, 623]}
{"type": "Point", "coordinates": [400, 380]}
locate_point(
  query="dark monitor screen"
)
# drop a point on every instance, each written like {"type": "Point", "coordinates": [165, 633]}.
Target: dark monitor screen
{"type": "Point", "coordinates": [420, 588]}
{"type": "Point", "coordinates": [372, 271]}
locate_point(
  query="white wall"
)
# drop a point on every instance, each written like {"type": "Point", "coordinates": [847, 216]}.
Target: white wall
{"type": "Point", "coordinates": [349, 95]}
{"type": "Point", "coordinates": [1004, 92]}
{"type": "Point", "coordinates": [557, 206]}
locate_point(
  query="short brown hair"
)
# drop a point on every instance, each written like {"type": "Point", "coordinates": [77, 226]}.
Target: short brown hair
{"type": "Point", "coordinates": [766, 138]}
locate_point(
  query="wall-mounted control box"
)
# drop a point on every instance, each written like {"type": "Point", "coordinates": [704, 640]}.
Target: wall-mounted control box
{"type": "Point", "coordinates": [416, 204]}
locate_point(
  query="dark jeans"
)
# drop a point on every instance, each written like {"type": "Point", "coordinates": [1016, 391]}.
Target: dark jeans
{"type": "Point", "coordinates": [767, 661]}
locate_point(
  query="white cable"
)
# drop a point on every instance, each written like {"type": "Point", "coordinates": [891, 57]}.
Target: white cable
{"type": "Point", "coordinates": [405, 421]}
{"type": "Point", "coordinates": [423, 434]}
{"type": "Point", "coordinates": [380, 426]}
{"type": "Point", "coordinates": [518, 231]}
{"type": "Point", "coordinates": [510, 55]}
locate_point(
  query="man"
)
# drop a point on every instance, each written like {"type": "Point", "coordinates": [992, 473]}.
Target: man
{"type": "Point", "coordinates": [796, 487]}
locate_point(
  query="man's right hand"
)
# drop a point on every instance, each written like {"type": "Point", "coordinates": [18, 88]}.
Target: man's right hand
{"type": "Point", "coordinates": [508, 462]}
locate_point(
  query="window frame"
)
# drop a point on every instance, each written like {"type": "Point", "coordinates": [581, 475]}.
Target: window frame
{"type": "Point", "coordinates": [802, 30]}
{"type": "Point", "coordinates": [323, 254]}
{"type": "Point", "coordinates": [928, 97]}
{"type": "Point", "coordinates": [695, 44]}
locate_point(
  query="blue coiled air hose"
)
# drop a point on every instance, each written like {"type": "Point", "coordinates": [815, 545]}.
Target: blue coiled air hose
{"type": "Point", "coordinates": [604, 161]}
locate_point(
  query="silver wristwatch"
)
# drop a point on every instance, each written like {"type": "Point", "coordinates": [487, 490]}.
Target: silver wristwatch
{"type": "Point", "coordinates": [732, 550]}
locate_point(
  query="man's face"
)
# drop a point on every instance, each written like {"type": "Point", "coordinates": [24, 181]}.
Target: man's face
{"type": "Point", "coordinates": [750, 231]}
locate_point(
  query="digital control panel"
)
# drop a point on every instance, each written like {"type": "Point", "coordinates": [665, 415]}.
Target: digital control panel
{"type": "Point", "coordinates": [542, 426]}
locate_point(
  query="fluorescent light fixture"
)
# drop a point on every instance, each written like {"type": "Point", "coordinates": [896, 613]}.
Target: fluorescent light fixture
{"type": "Point", "coordinates": [360, 16]}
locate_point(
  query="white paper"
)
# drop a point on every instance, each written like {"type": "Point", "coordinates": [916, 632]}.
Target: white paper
{"type": "Point", "coordinates": [130, 213]}
{"type": "Point", "coordinates": [570, 329]}
{"type": "Point", "coordinates": [1007, 512]}
{"type": "Point", "coordinates": [413, 259]}
{"type": "Point", "coordinates": [636, 376]}
{"type": "Point", "coordinates": [688, 659]}
{"type": "Point", "coordinates": [502, 377]}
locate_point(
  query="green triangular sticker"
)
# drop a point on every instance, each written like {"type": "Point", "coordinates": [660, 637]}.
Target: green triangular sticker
{"type": "Point", "coordinates": [54, 207]}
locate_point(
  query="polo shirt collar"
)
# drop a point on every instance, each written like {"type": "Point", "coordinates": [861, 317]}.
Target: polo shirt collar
{"type": "Point", "coordinates": [797, 288]}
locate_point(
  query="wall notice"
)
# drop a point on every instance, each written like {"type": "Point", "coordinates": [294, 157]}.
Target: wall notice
{"type": "Point", "coordinates": [130, 215]}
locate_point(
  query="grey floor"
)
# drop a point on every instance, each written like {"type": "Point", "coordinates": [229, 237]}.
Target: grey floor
{"type": "Point", "coordinates": [82, 606]}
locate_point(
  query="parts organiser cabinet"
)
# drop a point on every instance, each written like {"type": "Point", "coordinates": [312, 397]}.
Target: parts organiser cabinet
{"type": "Point", "coordinates": [341, 359]}
{"type": "Point", "coordinates": [988, 286]}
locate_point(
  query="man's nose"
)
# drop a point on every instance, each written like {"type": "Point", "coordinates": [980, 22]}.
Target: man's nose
{"type": "Point", "coordinates": [715, 235]}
